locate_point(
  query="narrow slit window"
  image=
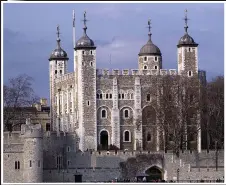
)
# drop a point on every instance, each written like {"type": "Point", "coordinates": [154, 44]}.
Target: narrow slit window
{"type": "Point", "coordinates": [16, 165]}
{"type": "Point", "coordinates": [156, 58]}
{"type": "Point", "coordinates": [55, 71]}
{"type": "Point", "coordinates": [88, 103]}
{"type": "Point", "coordinates": [156, 67]}
{"type": "Point", "coordinates": [110, 96]}
{"type": "Point", "coordinates": [103, 114]}
{"type": "Point", "coordinates": [126, 113]}
{"type": "Point", "coordinates": [30, 163]}
{"type": "Point", "coordinates": [127, 136]}
{"type": "Point", "coordinates": [149, 137]}
{"type": "Point", "coordinates": [148, 97]}
{"type": "Point", "coordinates": [106, 96]}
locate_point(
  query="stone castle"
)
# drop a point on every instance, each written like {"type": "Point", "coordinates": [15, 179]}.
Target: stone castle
{"type": "Point", "coordinates": [92, 109]}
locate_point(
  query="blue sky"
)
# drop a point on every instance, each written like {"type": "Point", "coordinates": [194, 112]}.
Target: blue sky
{"type": "Point", "coordinates": [119, 30]}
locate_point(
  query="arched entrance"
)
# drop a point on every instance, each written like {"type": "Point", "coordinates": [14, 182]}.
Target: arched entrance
{"type": "Point", "coordinates": [154, 173]}
{"type": "Point", "coordinates": [104, 140]}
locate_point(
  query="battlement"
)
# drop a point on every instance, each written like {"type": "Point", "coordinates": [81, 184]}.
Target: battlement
{"type": "Point", "coordinates": [126, 72]}
{"type": "Point", "coordinates": [65, 77]}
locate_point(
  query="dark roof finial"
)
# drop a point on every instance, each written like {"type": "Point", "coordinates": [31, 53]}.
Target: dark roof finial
{"type": "Point", "coordinates": [186, 21]}
{"type": "Point", "coordinates": [84, 20]}
{"type": "Point", "coordinates": [58, 36]}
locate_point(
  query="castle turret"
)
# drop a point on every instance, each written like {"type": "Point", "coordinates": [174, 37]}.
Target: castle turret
{"type": "Point", "coordinates": [33, 152]}
{"type": "Point", "coordinates": [187, 53]}
{"type": "Point", "coordinates": [57, 68]}
{"type": "Point", "coordinates": [85, 62]}
{"type": "Point", "coordinates": [150, 56]}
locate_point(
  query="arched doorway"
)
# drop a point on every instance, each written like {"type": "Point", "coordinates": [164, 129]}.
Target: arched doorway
{"type": "Point", "coordinates": [154, 173]}
{"type": "Point", "coordinates": [104, 140]}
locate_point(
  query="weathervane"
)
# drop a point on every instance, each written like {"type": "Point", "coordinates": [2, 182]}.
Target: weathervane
{"type": "Point", "coordinates": [149, 25]}
{"type": "Point", "coordinates": [58, 31]}
{"type": "Point", "coordinates": [85, 20]}
{"type": "Point", "coordinates": [186, 21]}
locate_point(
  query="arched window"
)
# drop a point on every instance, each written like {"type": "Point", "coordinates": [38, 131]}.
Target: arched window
{"type": "Point", "coordinates": [110, 96]}
{"type": "Point", "coordinates": [148, 136]}
{"type": "Point", "coordinates": [145, 67]}
{"type": "Point", "coordinates": [106, 96]}
{"type": "Point", "coordinates": [126, 136]}
{"type": "Point", "coordinates": [132, 96]}
{"type": "Point", "coordinates": [47, 126]}
{"type": "Point", "coordinates": [91, 64]}
{"type": "Point", "coordinates": [60, 71]}
{"type": "Point", "coordinates": [55, 71]}
{"type": "Point", "coordinates": [103, 113]}
{"type": "Point", "coordinates": [156, 67]}
{"type": "Point", "coordinates": [122, 96]}
{"type": "Point", "coordinates": [98, 96]}
{"type": "Point", "coordinates": [155, 58]}
{"type": "Point", "coordinates": [126, 113]}
{"type": "Point", "coordinates": [148, 97]}
{"type": "Point", "coordinates": [145, 58]}
{"type": "Point", "coordinates": [91, 52]}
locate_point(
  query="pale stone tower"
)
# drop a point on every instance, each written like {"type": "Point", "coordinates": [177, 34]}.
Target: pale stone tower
{"type": "Point", "coordinates": [150, 56]}
{"type": "Point", "coordinates": [187, 53]}
{"type": "Point", "coordinates": [85, 62]}
{"type": "Point", "coordinates": [57, 68]}
{"type": "Point", "coordinates": [33, 152]}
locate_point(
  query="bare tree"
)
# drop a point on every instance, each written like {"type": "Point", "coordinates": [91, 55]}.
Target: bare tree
{"type": "Point", "coordinates": [178, 109]}
{"type": "Point", "coordinates": [18, 95]}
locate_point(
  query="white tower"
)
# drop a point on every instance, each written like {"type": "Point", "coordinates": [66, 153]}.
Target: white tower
{"type": "Point", "coordinates": [150, 56]}
{"type": "Point", "coordinates": [85, 62]}
{"type": "Point", "coordinates": [57, 68]}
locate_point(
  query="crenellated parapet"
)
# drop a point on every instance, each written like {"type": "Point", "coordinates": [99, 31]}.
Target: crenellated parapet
{"type": "Point", "coordinates": [135, 72]}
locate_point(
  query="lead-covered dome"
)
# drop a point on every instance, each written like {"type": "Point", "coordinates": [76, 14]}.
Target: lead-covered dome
{"type": "Point", "coordinates": [186, 40]}
{"type": "Point", "coordinates": [150, 49]}
{"type": "Point", "coordinates": [58, 53]}
{"type": "Point", "coordinates": [84, 42]}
